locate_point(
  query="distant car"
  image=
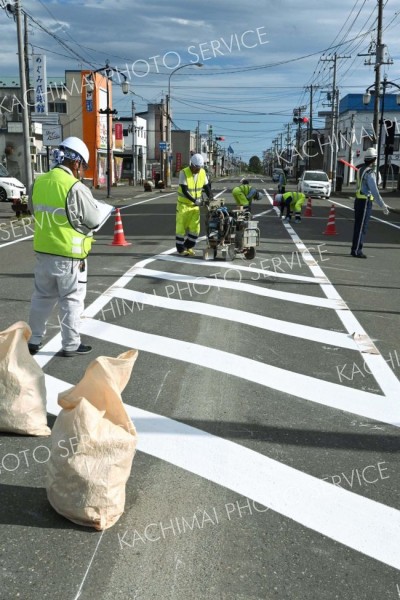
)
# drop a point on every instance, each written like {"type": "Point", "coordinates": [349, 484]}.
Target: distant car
{"type": "Point", "coordinates": [10, 188]}
{"type": "Point", "coordinates": [315, 184]}
{"type": "Point", "coordinates": [275, 175]}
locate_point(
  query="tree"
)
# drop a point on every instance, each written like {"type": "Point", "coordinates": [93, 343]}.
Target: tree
{"type": "Point", "coordinates": [255, 165]}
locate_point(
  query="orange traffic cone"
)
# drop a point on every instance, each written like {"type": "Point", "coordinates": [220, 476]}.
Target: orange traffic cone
{"type": "Point", "coordinates": [119, 237]}
{"type": "Point", "coordinates": [331, 227]}
{"type": "Point", "coordinates": [308, 211]}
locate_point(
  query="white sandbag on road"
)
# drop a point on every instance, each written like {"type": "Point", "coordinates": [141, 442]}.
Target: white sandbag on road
{"type": "Point", "coordinates": [22, 384]}
{"type": "Point", "coordinates": [93, 443]}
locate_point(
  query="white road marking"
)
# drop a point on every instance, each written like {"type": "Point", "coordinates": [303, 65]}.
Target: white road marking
{"type": "Point", "coordinates": [28, 237]}
{"type": "Point", "coordinates": [359, 523]}
{"type": "Point", "coordinates": [333, 395]}
{"type": "Point", "coordinates": [379, 368]}
{"type": "Point", "coordinates": [314, 334]}
{"type": "Point", "coordinates": [335, 304]}
{"type": "Point", "coordinates": [267, 273]}
{"type": "Point", "coordinates": [372, 217]}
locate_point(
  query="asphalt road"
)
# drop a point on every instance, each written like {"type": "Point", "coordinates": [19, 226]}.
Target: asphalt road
{"type": "Point", "coordinates": [266, 397]}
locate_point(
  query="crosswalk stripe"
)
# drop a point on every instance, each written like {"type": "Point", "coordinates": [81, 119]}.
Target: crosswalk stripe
{"type": "Point", "coordinates": [244, 287]}
{"type": "Point", "coordinates": [357, 522]}
{"type": "Point", "coordinates": [315, 334]}
{"type": "Point", "coordinates": [266, 273]}
{"type": "Point", "coordinates": [333, 395]}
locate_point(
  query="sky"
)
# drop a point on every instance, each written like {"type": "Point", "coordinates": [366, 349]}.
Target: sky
{"type": "Point", "coordinates": [259, 57]}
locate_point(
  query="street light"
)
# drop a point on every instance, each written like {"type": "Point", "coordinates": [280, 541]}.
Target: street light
{"type": "Point", "coordinates": [366, 100]}
{"type": "Point", "coordinates": [169, 144]}
{"type": "Point", "coordinates": [108, 72]}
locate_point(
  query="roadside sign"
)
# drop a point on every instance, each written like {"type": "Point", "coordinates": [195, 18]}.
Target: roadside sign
{"type": "Point", "coordinates": [52, 135]}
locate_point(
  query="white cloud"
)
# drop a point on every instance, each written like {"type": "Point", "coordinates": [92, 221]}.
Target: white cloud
{"type": "Point", "coordinates": [127, 32]}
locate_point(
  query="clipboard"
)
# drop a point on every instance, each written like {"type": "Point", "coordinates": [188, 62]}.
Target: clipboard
{"type": "Point", "coordinates": [105, 212]}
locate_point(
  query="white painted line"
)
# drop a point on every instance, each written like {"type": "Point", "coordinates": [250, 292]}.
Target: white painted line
{"type": "Point", "coordinates": [351, 519]}
{"type": "Point", "coordinates": [315, 334]}
{"type": "Point", "coordinates": [244, 287]}
{"type": "Point", "coordinates": [89, 565]}
{"type": "Point", "coordinates": [229, 265]}
{"type": "Point", "coordinates": [372, 217]}
{"type": "Point", "coordinates": [145, 201]}
{"type": "Point", "coordinates": [28, 237]}
{"type": "Point", "coordinates": [333, 395]}
{"type": "Point", "coordinates": [379, 368]}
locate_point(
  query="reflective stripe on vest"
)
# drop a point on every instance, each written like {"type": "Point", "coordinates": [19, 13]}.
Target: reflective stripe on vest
{"type": "Point", "coordinates": [194, 188]}
{"type": "Point", "coordinates": [53, 231]}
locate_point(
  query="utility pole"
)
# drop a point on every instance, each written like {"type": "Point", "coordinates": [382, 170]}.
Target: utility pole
{"type": "Point", "coordinates": [133, 144]}
{"type": "Point", "coordinates": [298, 119]}
{"type": "Point", "coordinates": [288, 138]}
{"type": "Point", "coordinates": [350, 157]}
{"type": "Point", "coordinates": [310, 123]}
{"type": "Point", "coordinates": [334, 120]}
{"type": "Point", "coordinates": [198, 145]}
{"type": "Point", "coordinates": [25, 114]}
{"type": "Point", "coordinates": [210, 146]}
{"type": "Point", "coordinates": [378, 62]}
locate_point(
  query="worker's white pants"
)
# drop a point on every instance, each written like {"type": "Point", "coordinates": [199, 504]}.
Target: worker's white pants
{"type": "Point", "coordinates": [57, 281]}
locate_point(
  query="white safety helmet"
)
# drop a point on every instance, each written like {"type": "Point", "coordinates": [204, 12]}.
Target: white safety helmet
{"type": "Point", "coordinates": [74, 149]}
{"type": "Point", "coordinates": [197, 160]}
{"type": "Point", "coordinates": [371, 154]}
{"type": "Point", "coordinates": [278, 197]}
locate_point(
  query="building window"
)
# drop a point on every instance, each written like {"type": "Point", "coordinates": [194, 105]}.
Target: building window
{"type": "Point", "coordinates": [58, 107]}
{"type": "Point", "coordinates": [367, 143]}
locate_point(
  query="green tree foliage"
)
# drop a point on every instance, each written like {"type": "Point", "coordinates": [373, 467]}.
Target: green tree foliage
{"type": "Point", "coordinates": [255, 165]}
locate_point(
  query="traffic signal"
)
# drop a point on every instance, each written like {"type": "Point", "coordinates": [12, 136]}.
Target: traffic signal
{"type": "Point", "coordinates": [389, 141]}
{"type": "Point", "coordinates": [300, 120]}
{"type": "Point", "coordinates": [220, 139]}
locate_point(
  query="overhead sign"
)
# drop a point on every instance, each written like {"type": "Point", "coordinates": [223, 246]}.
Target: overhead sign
{"type": "Point", "coordinates": [52, 135]}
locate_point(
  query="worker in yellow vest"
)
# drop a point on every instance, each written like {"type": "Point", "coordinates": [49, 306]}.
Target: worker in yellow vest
{"type": "Point", "coordinates": [244, 194]}
{"type": "Point", "coordinates": [65, 215]}
{"type": "Point", "coordinates": [293, 202]}
{"type": "Point", "coordinates": [192, 181]}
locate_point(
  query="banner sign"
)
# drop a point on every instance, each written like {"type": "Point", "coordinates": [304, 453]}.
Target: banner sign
{"type": "Point", "coordinates": [40, 83]}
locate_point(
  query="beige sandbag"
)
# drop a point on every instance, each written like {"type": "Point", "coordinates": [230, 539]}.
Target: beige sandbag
{"type": "Point", "coordinates": [93, 443]}
{"type": "Point", "coordinates": [22, 385]}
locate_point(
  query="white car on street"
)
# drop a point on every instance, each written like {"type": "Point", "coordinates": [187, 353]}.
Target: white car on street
{"type": "Point", "coordinates": [10, 188]}
{"type": "Point", "coordinates": [315, 184]}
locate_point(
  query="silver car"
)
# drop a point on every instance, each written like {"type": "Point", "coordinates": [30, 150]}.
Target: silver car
{"type": "Point", "coordinates": [315, 184]}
